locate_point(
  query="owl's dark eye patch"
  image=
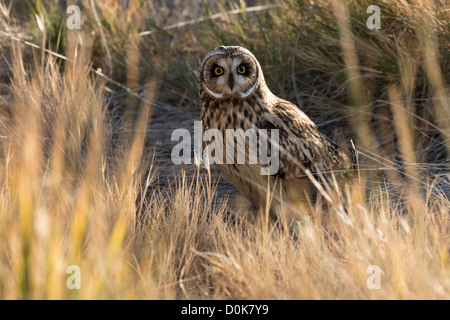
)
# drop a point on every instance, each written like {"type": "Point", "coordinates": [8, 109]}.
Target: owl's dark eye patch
{"type": "Point", "coordinates": [216, 70]}
{"type": "Point", "coordinates": [244, 69]}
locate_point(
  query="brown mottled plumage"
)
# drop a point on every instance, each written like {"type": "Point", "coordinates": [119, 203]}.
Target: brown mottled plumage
{"type": "Point", "coordinates": [241, 100]}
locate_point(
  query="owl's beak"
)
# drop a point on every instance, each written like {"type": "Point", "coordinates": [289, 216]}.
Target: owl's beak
{"type": "Point", "coordinates": [231, 82]}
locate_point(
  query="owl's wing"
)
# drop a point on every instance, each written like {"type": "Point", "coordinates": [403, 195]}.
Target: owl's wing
{"type": "Point", "coordinates": [302, 145]}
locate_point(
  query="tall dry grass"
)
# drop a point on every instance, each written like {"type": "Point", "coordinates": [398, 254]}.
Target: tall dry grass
{"type": "Point", "coordinates": [79, 188]}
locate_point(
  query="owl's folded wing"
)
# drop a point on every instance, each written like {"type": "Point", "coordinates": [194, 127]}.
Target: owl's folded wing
{"type": "Point", "coordinates": [301, 145]}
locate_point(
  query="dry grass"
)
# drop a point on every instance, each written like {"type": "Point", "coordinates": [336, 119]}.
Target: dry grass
{"type": "Point", "coordinates": [83, 182]}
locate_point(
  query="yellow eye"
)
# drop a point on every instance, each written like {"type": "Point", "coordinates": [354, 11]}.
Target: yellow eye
{"type": "Point", "coordinates": [241, 69]}
{"type": "Point", "coordinates": [218, 71]}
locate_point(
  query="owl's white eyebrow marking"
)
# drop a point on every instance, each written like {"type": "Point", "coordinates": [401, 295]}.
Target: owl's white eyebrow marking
{"type": "Point", "coordinates": [238, 53]}
{"type": "Point", "coordinates": [236, 63]}
{"type": "Point", "coordinates": [222, 63]}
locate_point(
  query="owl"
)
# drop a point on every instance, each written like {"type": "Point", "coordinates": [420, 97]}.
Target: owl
{"type": "Point", "coordinates": [234, 95]}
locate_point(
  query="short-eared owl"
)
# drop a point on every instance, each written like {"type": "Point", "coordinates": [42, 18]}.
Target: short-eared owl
{"type": "Point", "coordinates": [234, 95]}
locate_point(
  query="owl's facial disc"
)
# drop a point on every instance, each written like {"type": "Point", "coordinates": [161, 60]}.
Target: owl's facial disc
{"type": "Point", "coordinates": [229, 74]}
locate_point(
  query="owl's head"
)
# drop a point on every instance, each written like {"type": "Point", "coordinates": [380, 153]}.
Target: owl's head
{"type": "Point", "coordinates": [230, 72]}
